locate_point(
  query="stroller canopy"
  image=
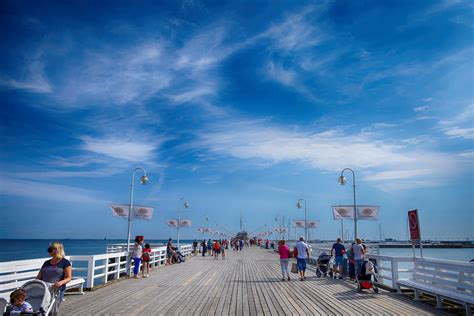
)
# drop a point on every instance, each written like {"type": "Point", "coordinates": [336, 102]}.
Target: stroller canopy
{"type": "Point", "coordinates": [38, 294]}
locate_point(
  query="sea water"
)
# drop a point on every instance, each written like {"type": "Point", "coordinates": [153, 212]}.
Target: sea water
{"type": "Point", "coordinates": [21, 249]}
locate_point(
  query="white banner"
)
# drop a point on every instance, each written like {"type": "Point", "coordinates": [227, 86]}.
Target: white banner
{"type": "Point", "coordinates": [142, 212]}
{"type": "Point", "coordinates": [367, 212]}
{"type": "Point", "coordinates": [139, 212]}
{"type": "Point", "coordinates": [172, 223]}
{"type": "Point", "coordinates": [185, 223]}
{"type": "Point", "coordinates": [298, 224]}
{"type": "Point", "coordinates": [343, 212]}
{"type": "Point", "coordinates": [119, 210]}
{"type": "Point", "coordinates": [311, 224]}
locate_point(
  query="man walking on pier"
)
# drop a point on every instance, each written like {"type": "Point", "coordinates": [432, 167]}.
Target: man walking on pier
{"type": "Point", "coordinates": [303, 254]}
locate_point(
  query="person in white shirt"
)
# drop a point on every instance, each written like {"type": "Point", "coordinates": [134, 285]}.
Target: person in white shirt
{"type": "Point", "coordinates": [303, 254]}
{"type": "Point", "coordinates": [358, 250]}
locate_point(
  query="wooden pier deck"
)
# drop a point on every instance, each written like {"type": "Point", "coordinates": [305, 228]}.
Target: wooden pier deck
{"type": "Point", "coordinates": [246, 283]}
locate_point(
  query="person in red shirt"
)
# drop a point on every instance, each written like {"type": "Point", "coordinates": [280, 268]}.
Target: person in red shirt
{"type": "Point", "coordinates": [146, 261]}
{"type": "Point", "coordinates": [284, 252]}
{"type": "Point", "coordinates": [217, 249]}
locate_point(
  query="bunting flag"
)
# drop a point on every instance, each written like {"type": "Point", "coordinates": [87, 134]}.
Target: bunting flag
{"type": "Point", "coordinates": [366, 212]}
{"type": "Point", "coordinates": [280, 230]}
{"type": "Point", "coordinates": [139, 212]}
{"type": "Point", "coordinates": [199, 229]}
{"type": "Point", "coordinates": [203, 229]}
{"type": "Point", "coordinates": [343, 212]}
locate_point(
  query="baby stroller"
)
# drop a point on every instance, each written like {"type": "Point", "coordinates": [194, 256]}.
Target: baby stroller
{"type": "Point", "coordinates": [366, 277]}
{"type": "Point", "coordinates": [322, 266]}
{"type": "Point", "coordinates": [40, 295]}
{"type": "Point", "coordinates": [181, 258]}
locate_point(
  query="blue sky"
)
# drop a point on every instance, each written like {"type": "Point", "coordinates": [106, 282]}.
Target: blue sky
{"type": "Point", "coordinates": [244, 106]}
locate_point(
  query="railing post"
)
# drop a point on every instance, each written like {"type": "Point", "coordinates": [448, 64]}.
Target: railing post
{"type": "Point", "coordinates": [90, 272]}
{"type": "Point", "coordinates": [106, 270]}
{"type": "Point", "coordinates": [394, 267]}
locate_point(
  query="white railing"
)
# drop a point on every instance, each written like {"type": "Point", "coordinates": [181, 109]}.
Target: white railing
{"type": "Point", "coordinates": [391, 269]}
{"type": "Point", "coordinates": [186, 250]}
{"type": "Point", "coordinates": [95, 269]}
{"type": "Point", "coordinates": [14, 274]}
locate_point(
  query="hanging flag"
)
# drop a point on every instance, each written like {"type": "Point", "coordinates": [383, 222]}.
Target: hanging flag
{"type": "Point", "coordinates": [139, 212]}
{"type": "Point", "coordinates": [298, 224]}
{"type": "Point", "coordinates": [366, 212]}
{"type": "Point", "coordinates": [172, 223]}
{"type": "Point", "coordinates": [343, 212]}
{"type": "Point", "coordinates": [185, 223]}
{"type": "Point", "coordinates": [142, 212]}
{"type": "Point", "coordinates": [119, 210]}
{"type": "Point", "coordinates": [312, 224]}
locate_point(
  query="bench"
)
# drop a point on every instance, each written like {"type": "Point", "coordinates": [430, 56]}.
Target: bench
{"type": "Point", "coordinates": [445, 279]}
{"type": "Point", "coordinates": [14, 274]}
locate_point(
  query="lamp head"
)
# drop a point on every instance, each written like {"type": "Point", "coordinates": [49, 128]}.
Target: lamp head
{"type": "Point", "coordinates": [298, 205]}
{"type": "Point", "coordinates": [342, 180]}
{"type": "Point", "coordinates": [144, 180]}
{"type": "Point", "coordinates": [186, 204]}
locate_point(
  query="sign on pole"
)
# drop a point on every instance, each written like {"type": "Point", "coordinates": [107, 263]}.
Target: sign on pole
{"type": "Point", "coordinates": [414, 225]}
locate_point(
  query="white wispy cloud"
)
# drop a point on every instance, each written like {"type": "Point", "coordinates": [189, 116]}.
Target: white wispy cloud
{"type": "Point", "coordinates": [460, 125]}
{"type": "Point", "coordinates": [119, 148]}
{"type": "Point", "coordinates": [421, 108]}
{"type": "Point", "coordinates": [377, 159]}
{"type": "Point", "coordinates": [48, 192]}
{"type": "Point", "coordinates": [34, 80]}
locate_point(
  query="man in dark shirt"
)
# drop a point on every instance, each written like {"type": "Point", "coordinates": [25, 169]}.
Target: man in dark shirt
{"type": "Point", "coordinates": [338, 251]}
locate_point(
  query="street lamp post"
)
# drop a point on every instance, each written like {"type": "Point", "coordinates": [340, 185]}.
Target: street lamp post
{"type": "Point", "coordinates": [342, 181]}
{"type": "Point", "coordinates": [186, 205]}
{"type": "Point", "coordinates": [298, 205]}
{"type": "Point", "coordinates": [143, 180]}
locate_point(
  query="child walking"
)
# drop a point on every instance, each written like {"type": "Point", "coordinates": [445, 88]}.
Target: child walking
{"type": "Point", "coordinates": [146, 261]}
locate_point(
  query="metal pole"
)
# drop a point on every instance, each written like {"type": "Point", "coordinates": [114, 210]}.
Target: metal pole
{"type": "Point", "coordinates": [177, 237]}
{"type": "Point", "coordinates": [130, 219]}
{"type": "Point", "coordinates": [305, 224]}
{"type": "Point", "coordinates": [342, 231]}
{"type": "Point", "coordinates": [355, 205]}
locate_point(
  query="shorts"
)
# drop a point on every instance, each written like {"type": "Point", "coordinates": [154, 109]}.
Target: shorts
{"type": "Point", "coordinates": [168, 254]}
{"type": "Point", "coordinates": [339, 261]}
{"type": "Point", "coordinates": [217, 252]}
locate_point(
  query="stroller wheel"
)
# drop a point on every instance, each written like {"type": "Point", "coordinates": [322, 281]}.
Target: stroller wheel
{"type": "Point", "coordinates": [376, 290]}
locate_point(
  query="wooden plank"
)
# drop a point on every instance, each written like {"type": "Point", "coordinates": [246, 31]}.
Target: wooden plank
{"type": "Point", "coordinates": [248, 282]}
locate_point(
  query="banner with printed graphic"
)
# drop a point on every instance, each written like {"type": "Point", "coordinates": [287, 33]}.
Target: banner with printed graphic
{"type": "Point", "coordinates": [142, 212]}
{"type": "Point", "coordinates": [298, 224]}
{"type": "Point", "coordinates": [139, 212]}
{"type": "Point", "coordinates": [172, 223]}
{"type": "Point", "coordinates": [185, 223]}
{"type": "Point", "coordinates": [311, 224]}
{"type": "Point", "coordinates": [119, 210]}
{"type": "Point", "coordinates": [343, 212]}
{"type": "Point", "coordinates": [367, 212]}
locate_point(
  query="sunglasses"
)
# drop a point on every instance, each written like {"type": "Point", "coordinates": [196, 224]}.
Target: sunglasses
{"type": "Point", "coordinates": [51, 249]}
